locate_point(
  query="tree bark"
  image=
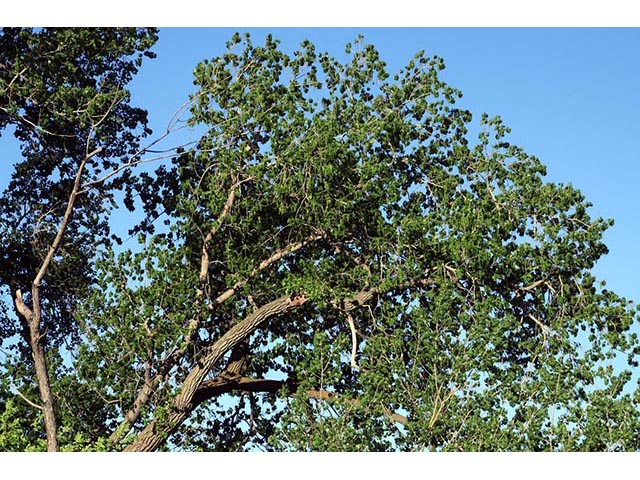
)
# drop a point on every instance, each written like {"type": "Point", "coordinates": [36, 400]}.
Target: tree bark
{"type": "Point", "coordinates": [154, 434]}
{"type": "Point", "coordinates": [32, 321]}
{"type": "Point", "coordinates": [193, 389]}
{"type": "Point", "coordinates": [46, 395]}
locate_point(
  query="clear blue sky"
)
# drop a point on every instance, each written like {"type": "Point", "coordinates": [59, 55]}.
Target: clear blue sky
{"type": "Point", "coordinates": [570, 96]}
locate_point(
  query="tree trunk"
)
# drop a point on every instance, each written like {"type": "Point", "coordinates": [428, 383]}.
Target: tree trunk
{"type": "Point", "coordinates": [31, 319]}
{"type": "Point", "coordinates": [50, 423]}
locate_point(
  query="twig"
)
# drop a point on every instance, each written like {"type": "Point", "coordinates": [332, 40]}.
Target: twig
{"type": "Point", "coordinates": [354, 341]}
{"type": "Point", "coordinates": [38, 128]}
{"type": "Point", "coordinates": [279, 254]}
{"type": "Point", "coordinates": [542, 326]}
{"type": "Point", "coordinates": [39, 407]}
{"type": "Point", "coordinates": [532, 286]}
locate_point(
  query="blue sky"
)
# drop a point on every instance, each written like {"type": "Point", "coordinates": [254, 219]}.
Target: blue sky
{"type": "Point", "coordinates": [570, 96]}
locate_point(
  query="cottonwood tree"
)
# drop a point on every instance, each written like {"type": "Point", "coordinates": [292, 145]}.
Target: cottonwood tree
{"type": "Point", "coordinates": [342, 267]}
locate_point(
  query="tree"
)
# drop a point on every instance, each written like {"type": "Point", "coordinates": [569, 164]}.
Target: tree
{"type": "Point", "coordinates": [62, 92]}
{"type": "Point", "coordinates": [341, 268]}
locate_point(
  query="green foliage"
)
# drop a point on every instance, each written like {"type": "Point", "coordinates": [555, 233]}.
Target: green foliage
{"type": "Point", "coordinates": [62, 92]}
{"type": "Point", "coordinates": [465, 275]}
{"type": "Point", "coordinates": [19, 424]}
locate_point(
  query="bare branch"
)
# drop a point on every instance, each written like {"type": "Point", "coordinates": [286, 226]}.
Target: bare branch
{"type": "Point", "coordinates": [104, 116]}
{"type": "Point", "coordinates": [37, 128]}
{"type": "Point", "coordinates": [354, 341]}
{"type": "Point", "coordinates": [532, 286]}
{"type": "Point", "coordinates": [21, 307]}
{"type": "Point", "coordinates": [65, 220]}
{"type": "Point", "coordinates": [136, 159]}
{"type": "Point", "coordinates": [279, 254]}
{"type": "Point", "coordinates": [15, 77]}
{"type": "Point", "coordinates": [39, 407]}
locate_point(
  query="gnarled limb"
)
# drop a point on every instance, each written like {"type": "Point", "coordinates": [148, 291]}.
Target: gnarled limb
{"type": "Point", "coordinates": [154, 435]}
{"type": "Point", "coordinates": [167, 364]}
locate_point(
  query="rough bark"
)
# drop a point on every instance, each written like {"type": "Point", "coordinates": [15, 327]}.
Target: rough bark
{"type": "Point", "coordinates": [35, 339]}
{"type": "Point", "coordinates": [195, 390]}
{"type": "Point", "coordinates": [46, 395]}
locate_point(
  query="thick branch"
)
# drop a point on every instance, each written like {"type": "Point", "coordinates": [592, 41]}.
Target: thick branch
{"type": "Point", "coordinates": [236, 334]}
{"type": "Point", "coordinates": [145, 393]}
{"type": "Point", "coordinates": [221, 385]}
{"type": "Point", "coordinates": [151, 438]}
{"type": "Point", "coordinates": [154, 434]}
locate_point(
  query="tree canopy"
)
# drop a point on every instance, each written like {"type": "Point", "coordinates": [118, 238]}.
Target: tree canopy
{"type": "Point", "coordinates": [337, 264]}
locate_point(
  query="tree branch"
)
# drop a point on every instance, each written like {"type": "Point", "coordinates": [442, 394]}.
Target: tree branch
{"type": "Point", "coordinates": [33, 316]}
{"type": "Point", "coordinates": [136, 159]}
{"type": "Point", "coordinates": [35, 405]}
{"type": "Point", "coordinates": [236, 334]}
{"type": "Point", "coordinates": [22, 308]}
{"type": "Point", "coordinates": [324, 395]}
{"type": "Point", "coordinates": [221, 385]}
{"type": "Point", "coordinates": [37, 128]}
{"type": "Point", "coordinates": [65, 219]}
{"type": "Point", "coordinates": [354, 340]}
{"type": "Point", "coordinates": [277, 255]}
{"type": "Point", "coordinates": [148, 388]}
{"type": "Point", "coordinates": [204, 263]}
{"type": "Point", "coordinates": [533, 285]}
{"type": "Point", "coordinates": [154, 434]}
